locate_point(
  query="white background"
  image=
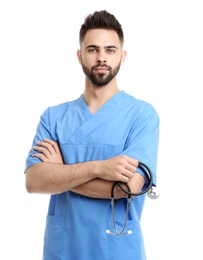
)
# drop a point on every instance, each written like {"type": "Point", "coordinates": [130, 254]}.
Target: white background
{"type": "Point", "coordinates": [164, 66]}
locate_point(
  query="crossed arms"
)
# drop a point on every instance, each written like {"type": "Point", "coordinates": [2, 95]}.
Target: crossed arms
{"type": "Point", "coordinates": [93, 179]}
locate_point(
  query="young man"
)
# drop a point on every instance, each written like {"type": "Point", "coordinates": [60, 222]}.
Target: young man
{"type": "Point", "coordinates": [83, 146]}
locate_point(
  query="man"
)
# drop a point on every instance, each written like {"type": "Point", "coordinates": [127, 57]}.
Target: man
{"type": "Point", "coordinates": [83, 146]}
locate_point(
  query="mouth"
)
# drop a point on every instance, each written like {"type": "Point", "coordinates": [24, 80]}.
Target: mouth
{"type": "Point", "coordinates": [101, 69]}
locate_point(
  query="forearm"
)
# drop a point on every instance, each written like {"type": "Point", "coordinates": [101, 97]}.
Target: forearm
{"type": "Point", "coordinates": [53, 178]}
{"type": "Point", "coordinates": [101, 189]}
{"type": "Point", "coordinates": [97, 188]}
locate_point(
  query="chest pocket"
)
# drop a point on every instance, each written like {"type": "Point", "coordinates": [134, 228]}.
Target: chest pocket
{"type": "Point", "coordinates": [75, 153]}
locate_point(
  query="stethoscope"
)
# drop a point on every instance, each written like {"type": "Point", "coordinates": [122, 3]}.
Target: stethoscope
{"type": "Point", "coordinates": [151, 191]}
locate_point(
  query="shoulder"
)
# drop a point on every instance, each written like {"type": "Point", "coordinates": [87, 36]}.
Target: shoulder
{"type": "Point", "coordinates": [139, 105]}
{"type": "Point", "coordinates": [59, 109]}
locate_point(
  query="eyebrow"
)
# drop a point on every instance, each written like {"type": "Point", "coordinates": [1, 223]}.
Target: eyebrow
{"type": "Point", "coordinates": [98, 47]}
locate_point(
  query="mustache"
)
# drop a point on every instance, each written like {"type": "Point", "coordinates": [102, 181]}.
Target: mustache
{"type": "Point", "coordinates": [101, 65]}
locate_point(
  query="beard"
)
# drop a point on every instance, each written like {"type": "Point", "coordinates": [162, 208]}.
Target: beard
{"type": "Point", "coordinates": [100, 79]}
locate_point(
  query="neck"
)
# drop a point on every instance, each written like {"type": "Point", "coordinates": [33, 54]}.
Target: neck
{"type": "Point", "coordinates": [96, 96]}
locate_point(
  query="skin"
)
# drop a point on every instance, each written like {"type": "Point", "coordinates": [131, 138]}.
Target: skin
{"type": "Point", "coordinates": [100, 56]}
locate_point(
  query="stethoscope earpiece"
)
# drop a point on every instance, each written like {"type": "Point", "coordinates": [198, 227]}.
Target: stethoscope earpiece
{"type": "Point", "coordinates": [117, 233]}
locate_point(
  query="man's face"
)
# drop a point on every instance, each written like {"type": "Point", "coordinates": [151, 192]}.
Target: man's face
{"type": "Point", "coordinates": [100, 56]}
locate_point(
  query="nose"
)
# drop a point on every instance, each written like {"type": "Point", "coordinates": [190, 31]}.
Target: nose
{"type": "Point", "coordinates": [101, 58]}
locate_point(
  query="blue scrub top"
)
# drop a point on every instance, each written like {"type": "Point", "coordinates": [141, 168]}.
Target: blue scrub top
{"type": "Point", "coordinates": [76, 225]}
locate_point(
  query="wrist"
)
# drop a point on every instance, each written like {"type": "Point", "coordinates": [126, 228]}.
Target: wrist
{"type": "Point", "coordinates": [96, 167]}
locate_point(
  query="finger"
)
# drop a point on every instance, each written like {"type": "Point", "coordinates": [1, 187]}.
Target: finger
{"type": "Point", "coordinates": [42, 150]}
{"type": "Point", "coordinates": [40, 156]}
{"type": "Point", "coordinates": [54, 144]}
{"type": "Point", "coordinates": [46, 146]}
{"type": "Point", "coordinates": [127, 173]}
{"type": "Point", "coordinates": [123, 178]}
{"type": "Point", "coordinates": [133, 162]}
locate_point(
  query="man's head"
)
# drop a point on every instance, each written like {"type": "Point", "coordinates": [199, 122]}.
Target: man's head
{"type": "Point", "coordinates": [101, 43]}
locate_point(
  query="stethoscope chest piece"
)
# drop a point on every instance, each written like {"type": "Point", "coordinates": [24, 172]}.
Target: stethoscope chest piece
{"type": "Point", "coordinates": [153, 193]}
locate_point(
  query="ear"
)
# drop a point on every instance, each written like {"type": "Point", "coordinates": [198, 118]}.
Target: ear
{"type": "Point", "coordinates": [123, 55]}
{"type": "Point", "coordinates": [79, 56]}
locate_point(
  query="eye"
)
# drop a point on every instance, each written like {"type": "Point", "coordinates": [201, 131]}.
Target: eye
{"type": "Point", "coordinates": [92, 50]}
{"type": "Point", "coordinates": [110, 50]}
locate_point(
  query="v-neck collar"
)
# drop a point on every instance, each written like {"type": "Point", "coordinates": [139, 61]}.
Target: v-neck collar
{"type": "Point", "coordinates": [115, 100]}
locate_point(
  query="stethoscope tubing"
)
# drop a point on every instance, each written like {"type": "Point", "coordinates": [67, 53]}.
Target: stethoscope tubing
{"type": "Point", "coordinates": [147, 173]}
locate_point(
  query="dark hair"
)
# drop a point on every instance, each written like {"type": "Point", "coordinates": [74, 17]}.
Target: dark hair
{"type": "Point", "coordinates": [101, 20]}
